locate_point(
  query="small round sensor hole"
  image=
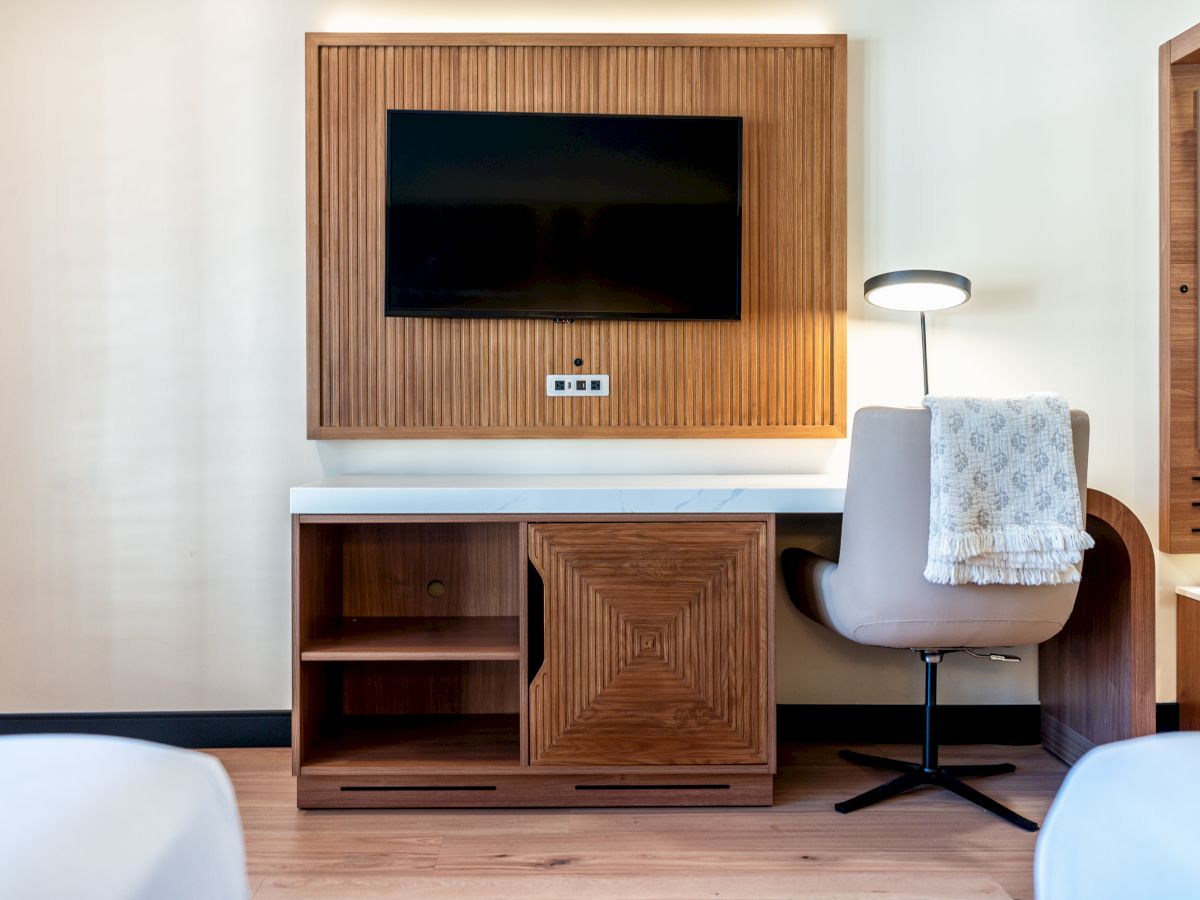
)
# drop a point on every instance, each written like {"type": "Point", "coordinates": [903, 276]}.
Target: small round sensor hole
{"type": "Point", "coordinates": [435, 588]}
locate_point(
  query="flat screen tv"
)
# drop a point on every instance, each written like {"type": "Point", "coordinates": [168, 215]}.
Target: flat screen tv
{"type": "Point", "coordinates": [563, 216]}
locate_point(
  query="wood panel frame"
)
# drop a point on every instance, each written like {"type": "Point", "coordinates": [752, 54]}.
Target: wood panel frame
{"type": "Point", "coordinates": [1179, 289]}
{"type": "Point", "coordinates": [779, 372]}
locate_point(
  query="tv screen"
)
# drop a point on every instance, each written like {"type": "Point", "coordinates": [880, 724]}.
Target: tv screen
{"type": "Point", "coordinates": [563, 216]}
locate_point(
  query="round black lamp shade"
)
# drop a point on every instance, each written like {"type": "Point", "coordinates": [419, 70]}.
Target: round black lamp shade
{"type": "Point", "coordinates": [917, 290]}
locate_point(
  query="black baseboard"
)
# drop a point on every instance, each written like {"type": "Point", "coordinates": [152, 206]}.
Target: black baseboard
{"type": "Point", "coordinates": [267, 728]}
{"type": "Point", "coordinates": [1166, 716]}
{"type": "Point", "coordinates": [904, 724]}
{"type": "Point", "coordinates": [797, 723]}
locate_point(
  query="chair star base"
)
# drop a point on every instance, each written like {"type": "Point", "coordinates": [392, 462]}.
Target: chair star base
{"type": "Point", "coordinates": [914, 775]}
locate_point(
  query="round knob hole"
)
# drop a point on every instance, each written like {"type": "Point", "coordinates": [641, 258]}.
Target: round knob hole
{"type": "Point", "coordinates": [435, 588]}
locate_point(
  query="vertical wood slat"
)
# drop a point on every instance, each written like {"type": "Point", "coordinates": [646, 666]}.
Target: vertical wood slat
{"type": "Point", "coordinates": [331, 263]}
{"type": "Point", "coordinates": [314, 249]}
{"type": "Point", "coordinates": [349, 338]}
{"type": "Point", "coordinates": [778, 372]}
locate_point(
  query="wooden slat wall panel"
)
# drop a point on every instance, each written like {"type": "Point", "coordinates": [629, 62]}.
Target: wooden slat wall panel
{"type": "Point", "coordinates": [777, 372]}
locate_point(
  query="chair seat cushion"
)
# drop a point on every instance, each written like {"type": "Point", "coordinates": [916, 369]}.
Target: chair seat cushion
{"type": "Point", "coordinates": [905, 611]}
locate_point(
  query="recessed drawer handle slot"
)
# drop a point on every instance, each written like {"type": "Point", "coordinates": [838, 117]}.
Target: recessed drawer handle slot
{"type": "Point", "coordinates": [423, 787]}
{"type": "Point", "coordinates": [651, 787]}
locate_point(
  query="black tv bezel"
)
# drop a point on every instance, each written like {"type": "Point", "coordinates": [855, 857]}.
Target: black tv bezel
{"type": "Point", "coordinates": [410, 312]}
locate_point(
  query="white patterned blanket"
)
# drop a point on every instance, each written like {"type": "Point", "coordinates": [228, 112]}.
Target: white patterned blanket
{"type": "Point", "coordinates": [1004, 502]}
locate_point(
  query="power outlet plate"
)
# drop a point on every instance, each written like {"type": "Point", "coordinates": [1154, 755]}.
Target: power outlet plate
{"type": "Point", "coordinates": [576, 385]}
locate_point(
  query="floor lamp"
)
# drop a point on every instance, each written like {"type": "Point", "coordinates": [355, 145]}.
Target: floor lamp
{"type": "Point", "coordinates": [918, 290]}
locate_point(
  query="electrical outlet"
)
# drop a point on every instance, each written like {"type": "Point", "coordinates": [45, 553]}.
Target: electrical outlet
{"type": "Point", "coordinates": [576, 385]}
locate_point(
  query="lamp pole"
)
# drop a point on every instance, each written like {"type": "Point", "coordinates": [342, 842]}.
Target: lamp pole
{"type": "Point", "coordinates": [924, 355]}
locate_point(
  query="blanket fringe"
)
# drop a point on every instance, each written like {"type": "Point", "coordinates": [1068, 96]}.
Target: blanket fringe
{"type": "Point", "coordinates": [1008, 539]}
{"type": "Point", "coordinates": [946, 572]}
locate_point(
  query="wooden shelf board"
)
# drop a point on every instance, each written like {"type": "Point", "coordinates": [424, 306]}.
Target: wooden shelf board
{"type": "Point", "coordinates": [398, 639]}
{"type": "Point", "coordinates": [383, 744]}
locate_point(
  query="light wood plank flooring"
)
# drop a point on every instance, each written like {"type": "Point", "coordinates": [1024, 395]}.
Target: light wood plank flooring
{"type": "Point", "coordinates": [926, 845]}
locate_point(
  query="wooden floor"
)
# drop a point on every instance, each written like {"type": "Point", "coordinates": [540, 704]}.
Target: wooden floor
{"type": "Point", "coordinates": [926, 845]}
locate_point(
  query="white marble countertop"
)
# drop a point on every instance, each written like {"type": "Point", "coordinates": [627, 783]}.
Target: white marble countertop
{"type": "Point", "coordinates": [1192, 592]}
{"type": "Point", "coordinates": [549, 494]}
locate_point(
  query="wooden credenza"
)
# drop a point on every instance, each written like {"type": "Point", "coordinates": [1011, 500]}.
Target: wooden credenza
{"type": "Point", "coordinates": [605, 640]}
{"type": "Point", "coordinates": [496, 660]}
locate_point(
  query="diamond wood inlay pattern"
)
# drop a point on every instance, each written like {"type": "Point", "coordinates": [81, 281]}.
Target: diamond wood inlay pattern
{"type": "Point", "coordinates": [778, 372]}
{"type": "Point", "coordinates": [657, 644]}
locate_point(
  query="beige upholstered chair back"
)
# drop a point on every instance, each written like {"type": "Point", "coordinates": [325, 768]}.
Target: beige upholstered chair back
{"type": "Point", "coordinates": [883, 597]}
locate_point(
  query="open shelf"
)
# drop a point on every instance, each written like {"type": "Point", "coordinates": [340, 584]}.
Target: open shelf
{"type": "Point", "coordinates": [415, 639]}
{"type": "Point", "coordinates": [408, 648]}
{"type": "Point", "coordinates": [362, 744]}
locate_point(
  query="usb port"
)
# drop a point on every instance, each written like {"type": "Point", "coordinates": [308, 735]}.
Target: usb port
{"type": "Point", "coordinates": [581, 385]}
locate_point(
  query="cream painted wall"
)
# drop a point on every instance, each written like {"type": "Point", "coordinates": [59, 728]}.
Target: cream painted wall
{"type": "Point", "coordinates": [152, 292]}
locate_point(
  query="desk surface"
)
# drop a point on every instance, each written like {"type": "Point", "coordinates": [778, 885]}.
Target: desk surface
{"type": "Point", "coordinates": [552, 494]}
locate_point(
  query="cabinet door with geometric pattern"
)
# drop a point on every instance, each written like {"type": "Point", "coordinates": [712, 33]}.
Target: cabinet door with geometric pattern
{"type": "Point", "coordinates": [657, 644]}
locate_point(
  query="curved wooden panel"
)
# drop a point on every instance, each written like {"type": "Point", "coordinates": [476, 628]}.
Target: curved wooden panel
{"type": "Point", "coordinates": [780, 371]}
{"type": "Point", "coordinates": [1096, 677]}
{"type": "Point", "coordinates": [657, 644]}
